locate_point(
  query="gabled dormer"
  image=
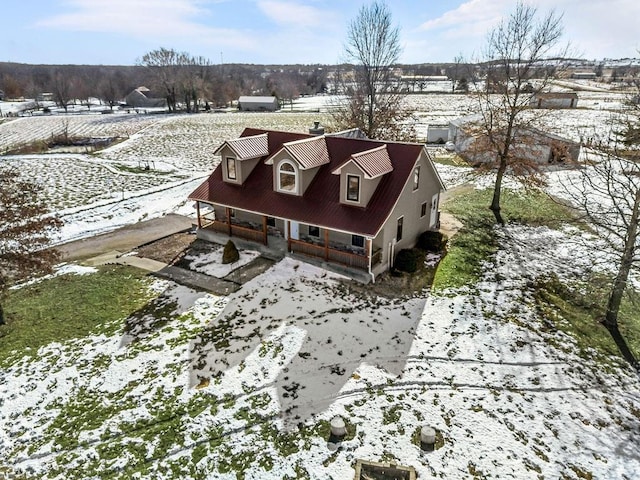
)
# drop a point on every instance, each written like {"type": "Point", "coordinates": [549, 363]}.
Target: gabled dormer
{"type": "Point", "coordinates": [296, 164]}
{"type": "Point", "coordinates": [361, 174]}
{"type": "Point", "coordinates": [240, 156]}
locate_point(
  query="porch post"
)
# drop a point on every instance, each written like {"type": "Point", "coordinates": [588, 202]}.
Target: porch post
{"type": "Point", "coordinates": [198, 214]}
{"type": "Point", "coordinates": [326, 244]}
{"type": "Point", "coordinates": [228, 213]}
{"type": "Point", "coordinates": [369, 250]}
{"type": "Point", "coordinates": [288, 235]}
{"type": "Point", "coordinates": [264, 230]}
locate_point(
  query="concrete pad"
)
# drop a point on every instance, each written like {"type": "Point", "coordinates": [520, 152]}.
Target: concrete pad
{"type": "Point", "coordinates": [143, 263]}
{"type": "Point", "coordinates": [108, 257]}
{"type": "Point", "coordinates": [126, 238]}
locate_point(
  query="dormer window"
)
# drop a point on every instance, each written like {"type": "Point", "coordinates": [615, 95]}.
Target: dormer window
{"type": "Point", "coordinates": [287, 178]}
{"type": "Point", "coordinates": [231, 168]}
{"type": "Point", "coordinates": [353, 188]}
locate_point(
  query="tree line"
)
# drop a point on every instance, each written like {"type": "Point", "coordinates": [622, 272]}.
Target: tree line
{"type": "Point", "coordinates": [185, 81]}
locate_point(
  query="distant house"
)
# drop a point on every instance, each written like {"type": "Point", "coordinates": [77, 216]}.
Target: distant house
{"type": "Point", "coordinates": [44, 97]}
{"type": "Point", "coordinates": [247, 103]}
{"type": "Point", "coordinates": [554, 100]}
{"type": "Point", "coordinates": [583, 75]}
{"type": "Point", "coordinates": [530, 144]}
{"type": "Point", "coordinates": [142, 97]}
{"type": "Point", "coordinates": [340, 199]}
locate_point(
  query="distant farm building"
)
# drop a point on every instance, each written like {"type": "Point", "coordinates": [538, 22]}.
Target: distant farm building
{"type": "Point", "coordinates": [583, 75]}
{"type": "Point", "coordinates": [530, 144]}
{"type": "Point", "coordinates": [142, 97]}
{"type": "Point", "coordinates": [554, 100]}
{"type": "Point", "coordinates": [247, 103]}
{"type": "Point", "coordinates": [44, 97]}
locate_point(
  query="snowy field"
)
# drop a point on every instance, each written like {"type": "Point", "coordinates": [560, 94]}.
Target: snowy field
{"type": "Point", "coordinates": [244, 386]}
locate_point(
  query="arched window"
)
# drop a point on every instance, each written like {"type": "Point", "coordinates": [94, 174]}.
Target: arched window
{"type": "Point", "coordinates": [287, 177]}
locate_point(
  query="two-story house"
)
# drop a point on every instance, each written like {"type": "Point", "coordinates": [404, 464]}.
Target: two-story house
{"type": "Point", "coordinates": [345, 200]}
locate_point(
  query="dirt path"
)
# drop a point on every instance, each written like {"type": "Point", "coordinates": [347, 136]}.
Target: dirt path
{"type": "Point", "coordinates": [126, 238]}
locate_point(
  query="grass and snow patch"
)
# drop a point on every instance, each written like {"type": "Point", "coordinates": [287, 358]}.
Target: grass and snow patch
{"type": "Point", "coordinates": [210, 263]}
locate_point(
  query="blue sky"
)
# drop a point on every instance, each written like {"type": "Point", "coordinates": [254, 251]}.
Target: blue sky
{"type": "Point", "coordinates": [285, 31]}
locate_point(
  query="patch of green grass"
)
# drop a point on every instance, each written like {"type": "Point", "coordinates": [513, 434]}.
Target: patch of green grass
{"type": "Point", "coordinates": [576, 310]}
{"type": "Point", "coordinates": [450, 159]}
{"type": "Point", "coordinates": [68, 307]}
{"type": "Point", "coordinates": [476, 243]}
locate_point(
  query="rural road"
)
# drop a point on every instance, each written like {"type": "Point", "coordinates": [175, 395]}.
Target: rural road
{"type": "Point", "coordinates": [126, 238]}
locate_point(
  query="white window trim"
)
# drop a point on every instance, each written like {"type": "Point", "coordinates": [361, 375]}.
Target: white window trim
{"type": "Point", "coordinates": [424, 205]}
{"type": "Point", "coordinates": [416, 186]}
{"type": "Point", "coordinates": [402, 233]}
{"type": "Point", "coordinates": [235, 165]}
{"type": "Point", "coordinates": [346, 192]}
{"type": "Point", "coordinates": [294, 173]}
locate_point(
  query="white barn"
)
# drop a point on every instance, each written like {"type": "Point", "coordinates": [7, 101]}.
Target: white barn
{"type": "Point", "coordinates": [248, 103]}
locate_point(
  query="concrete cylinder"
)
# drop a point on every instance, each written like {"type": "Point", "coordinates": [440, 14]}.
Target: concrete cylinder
{"type": "Point", "coordinates": [338, 427]}
{"type": "Point", "coordinates": [427, 435]}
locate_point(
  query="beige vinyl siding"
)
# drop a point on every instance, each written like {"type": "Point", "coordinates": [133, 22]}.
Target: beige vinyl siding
{"type": "Point", "coordinates": [408, 206]}
{"type": "Point", "coordinates": [243, 167]}
{"type": "Point", "coordinates": [367, 187]}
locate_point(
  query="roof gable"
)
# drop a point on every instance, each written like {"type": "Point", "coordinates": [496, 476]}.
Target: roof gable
{"type": "Point", "coordinates": [373, 163]}
{"type": "Point", "coordinates": [253, 146]}
{"type": "Point", "coordinates": [308, 152]}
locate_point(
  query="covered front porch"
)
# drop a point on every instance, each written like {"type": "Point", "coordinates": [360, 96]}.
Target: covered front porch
{"type": "Point", "coordinates": [342, 248]}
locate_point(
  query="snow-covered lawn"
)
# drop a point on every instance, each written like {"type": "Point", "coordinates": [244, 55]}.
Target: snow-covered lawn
{"type": "Point", "coordinates": [213, 386]}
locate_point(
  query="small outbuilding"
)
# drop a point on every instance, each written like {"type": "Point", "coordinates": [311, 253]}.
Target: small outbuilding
{"type": "Point", "coordinates": [248, 103]}
{"type": "Point", "coordinates": [530, 144]}
{"type": "Point", "coordinates": [142, 97]}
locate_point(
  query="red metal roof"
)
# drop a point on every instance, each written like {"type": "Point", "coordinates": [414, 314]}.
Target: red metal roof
{"type": "Point", "coordinates": [247, 147]}
{"type": "Point", "coordinates": [373, 163]}
{"type": "Point", "coordinates": [320, 205]}
{"type": "Point", "coordinates": [309, 152]}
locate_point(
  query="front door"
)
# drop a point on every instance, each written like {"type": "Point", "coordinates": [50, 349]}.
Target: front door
{"type": "Point", "coordinates": [433, 218]}
{"type": "Point", "coordinates": [295, 230]}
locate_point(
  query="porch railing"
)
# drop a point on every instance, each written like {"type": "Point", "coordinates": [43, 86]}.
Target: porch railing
{"type": "Point", "coordinates": [349, 259]}
{"type": "Point", "coordinates": [342, 257]}
{"type": "Point", "coordinates": [238, 231]}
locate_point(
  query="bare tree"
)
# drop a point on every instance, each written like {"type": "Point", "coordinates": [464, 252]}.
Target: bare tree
{"type": "Point", "coordinates": [179, 74]}
{"type": "Point", "coordinates": [62, 88]}
{"type": "Point", "coordinates": [607, 194]}
{"type": "Point", "coordinates": [25, 230]}
{"type": "Point", "coordinates": [515, 54]}
{"type": "Point", "coordinates": [164, 66]}
{"type": "Point", "coordinates": [456, 72]}
{"type": "Point", "coordinates": [374, 99]}
{"type": "Point", "coordinates": [112, 87]}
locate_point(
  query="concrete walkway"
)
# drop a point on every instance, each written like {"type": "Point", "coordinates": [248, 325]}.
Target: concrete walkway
{"type": "Point", "coordinates": [179, 275]}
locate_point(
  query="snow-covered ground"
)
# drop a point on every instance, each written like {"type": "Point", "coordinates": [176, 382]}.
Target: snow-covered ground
{"type": "Point", "coordinates": [247, 383]}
